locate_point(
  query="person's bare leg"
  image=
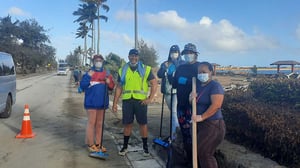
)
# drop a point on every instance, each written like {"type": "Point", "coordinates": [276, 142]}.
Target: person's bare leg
{"type": "Point", "coordinates": [90, 127]}
{"type": "Point", "coordinates": [144, 131]}
{"type": "Point", "coordinates": [99, 128]}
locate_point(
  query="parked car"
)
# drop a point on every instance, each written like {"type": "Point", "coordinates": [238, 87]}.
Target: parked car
{"type": "Point", "coordinates": [7, 84]}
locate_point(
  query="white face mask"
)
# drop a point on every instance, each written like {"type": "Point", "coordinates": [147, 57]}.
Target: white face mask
{"type": "Point", "coordinates": [174, 55]}
{"type": "Point", "coordinates": [98, 64]}
{"type": "Point", "coordinates": [133, 64]}
{"type": "Point", "coordinates": [203, 77]}
{"type": "Point", "coordinates": [189, 57]}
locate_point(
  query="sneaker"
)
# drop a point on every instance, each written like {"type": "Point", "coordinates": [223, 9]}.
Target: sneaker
{"type": "Point", "coordinates": [123, 151]}
{"type": "Point", "coordinates": [93, 148]}
{"type": "Point", "coordinates": [146, 153]}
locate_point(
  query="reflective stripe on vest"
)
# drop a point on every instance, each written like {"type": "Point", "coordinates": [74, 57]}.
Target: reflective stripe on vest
{"type": "Point", "coordinates": [135, 92]}
{"type": "Point", "coordinates": [135, 86]}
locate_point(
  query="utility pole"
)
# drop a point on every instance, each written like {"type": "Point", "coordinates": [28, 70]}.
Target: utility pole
{"type": "Point", "coordinates": [135, 25]}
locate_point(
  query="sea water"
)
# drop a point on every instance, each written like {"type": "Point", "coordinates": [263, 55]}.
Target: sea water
{"type": "Point", "coordinates": [265, 72]}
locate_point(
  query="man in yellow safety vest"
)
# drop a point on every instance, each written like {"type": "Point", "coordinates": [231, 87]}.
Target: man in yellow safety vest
{"type": "Point", "coordinates": [133, 84]}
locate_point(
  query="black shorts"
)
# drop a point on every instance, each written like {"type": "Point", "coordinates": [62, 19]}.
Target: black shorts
{"type": "Point", "coordinates": [131, 108]}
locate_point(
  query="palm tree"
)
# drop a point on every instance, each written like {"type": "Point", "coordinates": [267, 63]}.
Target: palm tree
{"type": "Point", "coordinates": [86, 14]}
{"type": "Point", "coordinates": [99, 3]}
{"type": "Point", "coordinates": [82, 32]}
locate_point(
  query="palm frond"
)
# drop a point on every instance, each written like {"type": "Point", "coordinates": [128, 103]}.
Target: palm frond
{"type": "Point", "coordinates": [103, 17]}
{"type": "Point", "coordinates": [105, 7]}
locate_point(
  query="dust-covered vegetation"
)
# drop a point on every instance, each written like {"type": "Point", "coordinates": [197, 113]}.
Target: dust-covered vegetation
{"type": "Point", "coordinates": [266, 118]}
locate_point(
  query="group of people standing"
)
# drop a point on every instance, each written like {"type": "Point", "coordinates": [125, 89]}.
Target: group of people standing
{"type": "Point", "coordinates": [137, 85]}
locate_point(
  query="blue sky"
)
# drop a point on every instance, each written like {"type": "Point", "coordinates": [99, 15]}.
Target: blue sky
{"type": "Point", "coordinates": [231, 32]}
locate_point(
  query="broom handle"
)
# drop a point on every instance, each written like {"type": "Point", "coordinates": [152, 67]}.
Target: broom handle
{"type": "Point", "coordinates": [104, 103]}
{"type": "Point", "coordinates": [194, 124]}
{"type": "Point", "coordinates": [161, 114]}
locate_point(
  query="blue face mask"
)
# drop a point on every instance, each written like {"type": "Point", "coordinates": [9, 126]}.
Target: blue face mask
{"type": "Point", "coordinates": [203, 77]}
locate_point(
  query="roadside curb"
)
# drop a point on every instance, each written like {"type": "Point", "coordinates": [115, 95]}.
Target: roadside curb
{"type": "Point", "coordinates": [134, 156]}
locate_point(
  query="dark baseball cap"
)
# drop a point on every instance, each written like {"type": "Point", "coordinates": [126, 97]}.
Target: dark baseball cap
{"type": "Point", "coordinates": [174, 48]}
{"type": "Point", "coordinates": [133, 52]}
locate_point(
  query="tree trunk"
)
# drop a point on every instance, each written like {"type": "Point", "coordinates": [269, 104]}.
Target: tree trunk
{"type": "Point", "coordinates": [94, 38]}
{"type": "Point", "coordinates": [93, 34]}
{"type": "Point", "coordinates": [84, 53]}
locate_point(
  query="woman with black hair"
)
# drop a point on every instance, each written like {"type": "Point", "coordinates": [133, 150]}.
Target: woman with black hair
{"type": "Point", "coordinates": [210, 124]}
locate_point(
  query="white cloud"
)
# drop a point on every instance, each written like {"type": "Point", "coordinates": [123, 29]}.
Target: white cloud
{"type": "Point", "coordinates": [15, 11]}
{"type": "Point", "coordinates": [298, 32]}
{"type": "Point", "coordinates": [117, 37]}
{"type": "Point", "coordinates": [110, 37]}
{"type": "Point", "coordinates": [205, 21]}
{"type": "Point", "coordinates": [220, 36]}
{"type": "Point", "coordinates": [167, 19]}
{"type": "Point", "coordinates": [124, 15]}
{"type": "Point", "coordinates": [122, 43]}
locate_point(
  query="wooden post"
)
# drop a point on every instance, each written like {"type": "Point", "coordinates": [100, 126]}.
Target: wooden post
{"type": "Point", "coordinates": [195, 160]}
{"type": "Point", "coordinates": [215, 71]}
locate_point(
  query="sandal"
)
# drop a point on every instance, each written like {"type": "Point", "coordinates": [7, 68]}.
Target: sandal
{"type": "Point", "coordinates": [93, 148]}
{"type": "Point", "coordinates": [101, 148]}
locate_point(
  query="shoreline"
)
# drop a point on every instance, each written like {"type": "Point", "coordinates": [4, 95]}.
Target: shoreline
{"type": "Point", "coordinates": [259, 69]}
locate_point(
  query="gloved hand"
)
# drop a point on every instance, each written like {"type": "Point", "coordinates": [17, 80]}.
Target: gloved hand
{"type": "Point", "coordinates": [79, 89]}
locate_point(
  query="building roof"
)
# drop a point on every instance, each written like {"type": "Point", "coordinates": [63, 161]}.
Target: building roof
{"type": "Point", "coordinates": [285, 63]}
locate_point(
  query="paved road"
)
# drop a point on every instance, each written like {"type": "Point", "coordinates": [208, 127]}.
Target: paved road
{"type": "Point", "coordinates": [58, 119]}
{"type": "Point", "coordinates": [59, 128]}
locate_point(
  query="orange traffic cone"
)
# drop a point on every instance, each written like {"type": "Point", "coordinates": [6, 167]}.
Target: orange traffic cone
{"type": "Point", "coordinates": [26, 131]}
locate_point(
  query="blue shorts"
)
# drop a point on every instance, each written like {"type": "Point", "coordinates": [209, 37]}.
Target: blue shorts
{"type": "Point", "coordinates": [131, 108]}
